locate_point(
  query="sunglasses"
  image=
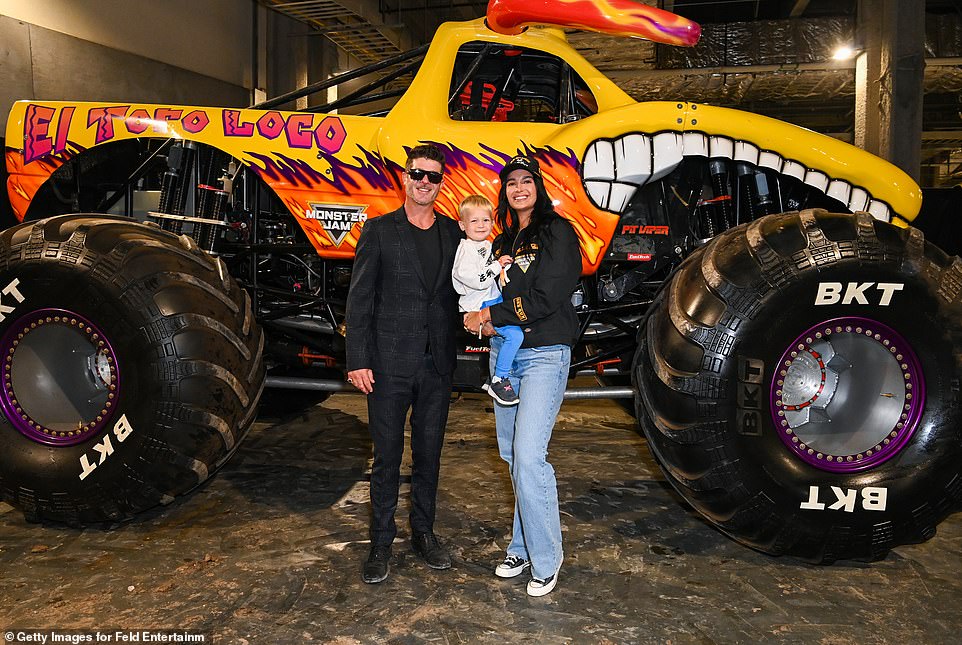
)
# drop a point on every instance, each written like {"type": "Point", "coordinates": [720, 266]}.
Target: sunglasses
{"type": "Point", "coordinates": [417, 175]}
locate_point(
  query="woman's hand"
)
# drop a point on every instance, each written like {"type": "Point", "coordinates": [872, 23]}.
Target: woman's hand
{"type": "Point", "coordinates": [479, 323]}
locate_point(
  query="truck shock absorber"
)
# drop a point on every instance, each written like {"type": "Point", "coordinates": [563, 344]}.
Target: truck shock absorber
{"type": "Point", "coordinates": [754, 194]}
{"type": "Point", "coordinates": [763, 195]}
{"type": "Point", "coordinates": [720, 186]}
{"type": "Point", "coordinates": [716, 211]}
{"type": "Point", "coordinates": [211, 204]}
{"type": "Point", "coordinates": [175, 186]}
{"type": "Point", "coordinates": [745, 182]}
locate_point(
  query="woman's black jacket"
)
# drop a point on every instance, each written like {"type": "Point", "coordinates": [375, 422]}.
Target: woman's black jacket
{"type": "Point", "coordinates": [542, 278]}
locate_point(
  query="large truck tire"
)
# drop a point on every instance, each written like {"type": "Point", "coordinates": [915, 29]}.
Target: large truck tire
{"type": "Point", "coordinates": [132, 367]}
{"type": "Point", "coordinates": [798, 380]}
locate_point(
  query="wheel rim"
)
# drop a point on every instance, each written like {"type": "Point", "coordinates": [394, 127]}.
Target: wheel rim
{"type": "Point", "coordinates": [60, 377]}
{"type": "Point", "coordinates": [847, 395]}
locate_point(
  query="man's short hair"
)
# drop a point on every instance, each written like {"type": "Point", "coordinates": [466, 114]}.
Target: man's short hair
{"type": "Point", "coordinates": [425, 151]}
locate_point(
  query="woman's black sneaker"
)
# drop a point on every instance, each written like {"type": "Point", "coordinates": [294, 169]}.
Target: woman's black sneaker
{"type": "Point", "coordinates": [511, 567]}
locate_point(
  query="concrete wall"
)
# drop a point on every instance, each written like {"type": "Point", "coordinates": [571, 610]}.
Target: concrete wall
{"type": "Point", "coordinates": [209, 37]}
{"type": "Point", "coordinates": [165, 51]}
{"type": "Point", "coordinates": [37, 63]}
{"type": "Point", "coordinates": [193, 52]}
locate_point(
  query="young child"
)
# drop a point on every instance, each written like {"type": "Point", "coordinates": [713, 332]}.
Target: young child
{"type": "Point", "coordinates": [476, 276]}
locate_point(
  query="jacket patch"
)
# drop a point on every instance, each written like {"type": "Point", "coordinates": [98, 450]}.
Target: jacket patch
{"type": "Point", "coordinates": [524, 261]}
{"type": "Point", "coordinates": [519, 310]}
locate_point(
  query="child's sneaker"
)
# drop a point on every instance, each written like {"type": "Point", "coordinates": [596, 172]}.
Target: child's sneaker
{"type": "Point", "coordinates": [501, 391]}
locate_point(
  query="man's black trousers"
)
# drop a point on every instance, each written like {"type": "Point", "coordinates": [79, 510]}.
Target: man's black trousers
{"type": "Point", "coordinates": [427, 394]}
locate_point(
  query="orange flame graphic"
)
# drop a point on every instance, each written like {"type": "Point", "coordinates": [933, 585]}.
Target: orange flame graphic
{"type": "Point", "coordinates": [375, 184]}
{"type": "Point", "coordinates": [564, 186]}
{"type": "Point", "coordinates": [615, 17]}
{"type": "Point", "coordinates": [22, 185]}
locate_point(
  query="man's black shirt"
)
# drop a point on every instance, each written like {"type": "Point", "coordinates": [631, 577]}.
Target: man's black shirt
{"type": "Point", "coordinates": [428, 244]}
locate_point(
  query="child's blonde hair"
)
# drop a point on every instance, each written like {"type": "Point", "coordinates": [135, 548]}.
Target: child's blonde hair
{"type": "Point", "coordinates": [475, 201]}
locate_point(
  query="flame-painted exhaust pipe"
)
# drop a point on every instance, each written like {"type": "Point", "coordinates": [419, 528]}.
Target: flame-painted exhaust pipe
{"type": "Point", "coordinates": [615, 17]}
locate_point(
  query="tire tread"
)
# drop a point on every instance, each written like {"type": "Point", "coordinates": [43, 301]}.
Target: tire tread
{"type": "Point", "coordinates": [742, 268]}
{"type": "Point", "coordinates": [187, 442]}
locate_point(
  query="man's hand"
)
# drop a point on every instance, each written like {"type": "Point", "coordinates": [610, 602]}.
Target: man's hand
{"type": "Point", "coordinates": [505, 260]}
{"type": "Point", "coordinates": [472, 320]}
{"type": "Point", "coordinates": [362, 380]}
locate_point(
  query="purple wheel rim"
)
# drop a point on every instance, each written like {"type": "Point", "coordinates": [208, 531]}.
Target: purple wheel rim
{"type": "Point", "coordinates": [858, 374]}
{"type": "Point", "coordinates": [92, 362]}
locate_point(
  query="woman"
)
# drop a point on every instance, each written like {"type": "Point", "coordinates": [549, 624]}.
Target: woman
{"type": "Point", "coordinates": [537, 297]}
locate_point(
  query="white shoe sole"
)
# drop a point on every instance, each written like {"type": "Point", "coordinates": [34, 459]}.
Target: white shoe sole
{"type": "Point", "coordinates": [487, 388]}
{"type": "Point", "coordinates": [504, 572]}
{"type": "Point", "coordinates": [537, 591]}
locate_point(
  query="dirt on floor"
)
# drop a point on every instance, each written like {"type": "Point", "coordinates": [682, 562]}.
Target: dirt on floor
{"type": "Point", "coordinates": [270, 551]}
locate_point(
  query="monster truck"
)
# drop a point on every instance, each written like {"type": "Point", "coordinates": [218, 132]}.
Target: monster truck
{"type": "Point", "coordinates": [791, 343]}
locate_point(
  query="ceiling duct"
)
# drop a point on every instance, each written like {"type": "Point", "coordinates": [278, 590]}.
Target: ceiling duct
{"type": "Point", "coordinates": [346, 28]}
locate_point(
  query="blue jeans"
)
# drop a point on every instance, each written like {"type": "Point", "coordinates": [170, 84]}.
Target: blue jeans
{"type": "Point", "coordinates": [513, 337]}
{"type": "Point", "coordinates": [539, 376]}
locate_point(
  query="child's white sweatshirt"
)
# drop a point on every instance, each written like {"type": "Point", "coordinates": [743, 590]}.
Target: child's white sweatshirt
{"type": "Point", "coordinates": [475, 274]}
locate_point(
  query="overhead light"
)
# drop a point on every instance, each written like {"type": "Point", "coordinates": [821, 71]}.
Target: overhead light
{"type": "Point", "coordinates": [845, 52]}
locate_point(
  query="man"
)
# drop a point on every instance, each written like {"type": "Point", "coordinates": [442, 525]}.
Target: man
{"type": "Point", "coordinates": [401, 318]}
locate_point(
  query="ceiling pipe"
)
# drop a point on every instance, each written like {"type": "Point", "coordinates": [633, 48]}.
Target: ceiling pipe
{"type": "Point", "coordinates": [824, 66]}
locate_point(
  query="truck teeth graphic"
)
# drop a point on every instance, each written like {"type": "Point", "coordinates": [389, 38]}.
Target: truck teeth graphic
{"type": "Point", "coordinates": [614, 169]}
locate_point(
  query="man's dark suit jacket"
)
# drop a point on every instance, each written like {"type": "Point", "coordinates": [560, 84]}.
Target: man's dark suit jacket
{"type": "Point", "coordinates": [394, 311]}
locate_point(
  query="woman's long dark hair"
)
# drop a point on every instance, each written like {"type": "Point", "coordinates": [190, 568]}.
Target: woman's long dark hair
{"type": "Point", "coordinates": [541, 216]}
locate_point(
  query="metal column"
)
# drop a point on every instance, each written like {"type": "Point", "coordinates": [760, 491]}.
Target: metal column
{"type": "Point", "coordinates": [888, 81]}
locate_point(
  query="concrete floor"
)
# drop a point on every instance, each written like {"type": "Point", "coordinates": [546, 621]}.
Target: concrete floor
{"type": "Point", "coordinates": [270, 552]}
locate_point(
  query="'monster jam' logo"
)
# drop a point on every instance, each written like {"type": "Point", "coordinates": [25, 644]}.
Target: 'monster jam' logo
{"type": "Point", "coordinates": [337, 219]}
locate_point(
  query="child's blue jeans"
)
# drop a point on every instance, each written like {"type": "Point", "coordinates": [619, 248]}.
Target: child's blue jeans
{"type": "Point", "coordinates": [513, 337]}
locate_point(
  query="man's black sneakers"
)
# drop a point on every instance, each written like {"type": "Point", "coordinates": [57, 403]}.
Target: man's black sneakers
{"type": "Point", "coordinates": [377, 565]}
{"type": "Point", "coordinates": [427, 546]}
